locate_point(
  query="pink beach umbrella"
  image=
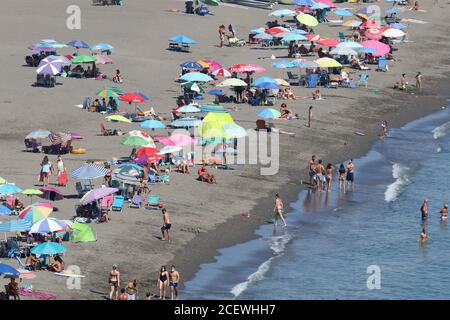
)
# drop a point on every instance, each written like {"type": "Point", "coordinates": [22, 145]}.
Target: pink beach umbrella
{"type": "Point", "coordinates": [380, 48]}
{"type": "Point", "coordinates": [103, 59]}
{"type": "Point", "coordinates": [247, 68]}
{"type": "Point", "coordinates": [177, 140]}
{"type": "Point", "coordinates": [373, 34]}
{"type": "Point", "coordinates": [222, 72]}
{"type": "Point", "coordinates": [213, 65]}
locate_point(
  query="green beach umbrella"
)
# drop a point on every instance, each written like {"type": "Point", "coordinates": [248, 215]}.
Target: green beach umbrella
{"type": "Point", "coordinates": [118, 118]}
{"type": "Point", "coordinates": [3, 181]}
{"type": "Point", "coordinates": [107, 93]}
{"type": "Point", "coordinates": [193, 87]}
{"type": "Point", "coordinates": [307, 19]}
{"type": "Point", "coordinates": [83, 59]}
{"type": "Point", "coordinates": [32, 192]}
{"type": "Point", "coordinates": [134, 141]}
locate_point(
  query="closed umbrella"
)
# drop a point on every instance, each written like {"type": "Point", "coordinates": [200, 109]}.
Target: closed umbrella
{"type": "Point", "coordinates": [48, 248]}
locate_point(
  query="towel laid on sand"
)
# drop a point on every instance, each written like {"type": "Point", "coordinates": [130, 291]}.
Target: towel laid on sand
{"type": "Point", "coordinates": [37, 294]}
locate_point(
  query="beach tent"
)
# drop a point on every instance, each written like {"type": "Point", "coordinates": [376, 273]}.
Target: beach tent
{"type": "Point", "coordinates": [82, 233]}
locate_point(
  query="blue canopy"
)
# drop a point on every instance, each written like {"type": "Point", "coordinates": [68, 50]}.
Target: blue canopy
{"type": "Point", "coordinates": [284, 64]}
{"type": "Point", "coordinates": [102, 47]}
{"type": "Point", "coordinates": [216, 92]}
{"type": "Point", "coordinates": [152, 124]}
{"type": "Point", "coordinates": [263, 79]}
{"type": "Point", "coordinates": [78, 44]}
{"type": "Point", "coordinates": [267, 85]}
{"type": "Point", "coordinates": [191, 65]}
{"type": "Point", "coordinates": [4, 211]}
{"type": "Point", "coordinates": [343, 13]}
{"type": "Point", "coordinates": [182, 39]}
{"type": "Point", "coordinates": [210, 107]}
{"type": "Point", "coordinates": [196, 76]}
{"type": "Point", "coordinates": [8, 270]}
{"type": "Point", "coordinates": [20, 225]}
{"type": "Point", "coordinates": [186, 122]}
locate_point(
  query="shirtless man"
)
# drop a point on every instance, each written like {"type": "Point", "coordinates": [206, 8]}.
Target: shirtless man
{"type": "Point", "coordinates": [278, 210]}
{"type": "Point", "coordinates": [311, 168]}
{"type": "Point", "coordinates": [424, 209]}
{"type": "Point", "coordinates": [350, 173]}
{"type": "Point", "coordinates": [174, 279]}
{"type": "Point", "coordinates": [423, 236]}
{"type": "Point", "coordinates": [123, 295]}
{"type": "Point", "coordinates": [319, 176]}
{"type": "Point", "coordinates": [444, 212]}
{"type": "Point", "coordinates": [419, 79]}
{"type": "Point", "coordinates": [166, 225]}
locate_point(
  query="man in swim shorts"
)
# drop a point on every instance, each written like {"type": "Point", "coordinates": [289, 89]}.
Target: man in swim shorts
{"type": "Point", "coordinates": [174, 278]}
{"type": "Point", "coordinates": [166, 225]}
{"type": "Point", "coordinates": [319, 176]}
{"type": "Point", "coordinates": [424, 209]}
{"type": "Point", "coordinates": [311, 166]}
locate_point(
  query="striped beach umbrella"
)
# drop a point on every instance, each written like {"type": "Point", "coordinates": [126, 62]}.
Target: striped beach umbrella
{"type": "Point", "coordinates": [89, 172]}
{"type": "Point", "coordinates": [52, 67]}
{"type": "Point", "coordinates": [37, 211]}
{"type": "Point", "coordinates": [15, 226]}
{"type": "Point", "coordinates": [48, 225]}
{"type": "Point", "coordinates": [59, 138]}
{"type": "Point", "coordinates": [186, 122]}
{"type": "Point", "coordinates": [126, 178]}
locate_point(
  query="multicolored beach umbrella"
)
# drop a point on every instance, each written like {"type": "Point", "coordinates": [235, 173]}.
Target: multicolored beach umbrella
{"type": "Point", "coordinates": [107, 93]}
{"type": "Point", "coordinates": [48, 225]}
{"type": "Point", "coordinates": [78, 44]}
{"type": "Point", "coordinates": [37, 211]}
{"type": "Point", "coordinates": [88, 172]}
{"type": "Point", "coordinates": [52, 67]}
{"type": "Point", "coordinates": [102, 47]}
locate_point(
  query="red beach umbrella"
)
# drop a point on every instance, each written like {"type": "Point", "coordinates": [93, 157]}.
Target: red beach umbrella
{"type": "Point", "coordinates": [147, 151]}
{"type": "Point", "coordinates": [131, 97]}
{"type": "Point", "coordinates": [275, 30]}
{"type": "Point", "coordinates": [373, 34]}
{"type": "Point", "coordinates": [328, 42]}
{"type": "Point", "coordinates": [312, 37]}
{"type": "Point", "coordinates": [247, 68]}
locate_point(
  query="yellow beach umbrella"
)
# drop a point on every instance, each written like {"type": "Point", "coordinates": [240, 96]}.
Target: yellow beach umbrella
{"type": "Point", "coordinates": [307, 19]}
{"type": "Point", "coordinates": [119, 118]}
{"type": "Point", "coordinates": [327, 63]}
{"type": "Point", "coordinates": [212, 125]}
{"type": "Point", "coordinates": [282, 82]}
{"type": "Point", "coordinates": [232, 82]}
{"type": "Point", "coordinates": [2, 181]}
{"type": "Point", "coordinates": [204, 64]}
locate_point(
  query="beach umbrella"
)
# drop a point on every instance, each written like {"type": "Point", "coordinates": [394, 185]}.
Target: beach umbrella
{"type": "Point", "coordinates": [307, 3]}
{"type": "Point", "coordinates": [380, 48]}
{"type": "Point", "coordinates": [4, 211]}
{"type": "Point", "coordinates": [9, 189]}
{"type": "Point", "coordinates": [232, 82]}
{"type": "Point", "coordinates": [186, 122]}
{"type": "Point", "coordinates": [327, 2]}
{"type": "Point", "coordinates": [107, 93]}
{"type": "Point", "coordinates": [343, 52]}
{"type": "Point", "coordinates": [269, 113]}
{"type": "Point", "coordinates": [312, 37]}
{"type": "Point", "coordinates": [131, 97]}
{"type": "Point", "coordinates": [103, 59]}
{"type": "Point", "coordinates": [31, 192]}
{"type": "Point", "coordinates": [257, 30]}
{"type": "Point", "coordinates": [3, 181]}
{"type": "Point", "coordinates": [282, 82]}
{"type": "Point", "coordinates": [267, 85]}
{"type": "Point", "coordinates": [216, 92]}
{"type": "Point", "coordinates": [134, 141]}
{"type": "Point", "coordinates": [177, 140]}
{"type": "Point", "coordinates": [88, 172]}
{"type": "Point", "coordinates": [102, 47]}
{"type": "Point", "coordinates": [56, 45]}
{"type": "Point", "coordinates": [144, 135]}
{"type": "Point", "coordinates": [393, 33]}
{"type": "Point", "coordinates": [15, 226]}
{"type": "Point", "coordinates": [149, 151]}
{"type": "Point", "coordinates": [128, 166]}
{"type": "Point", "coordinates": [342, 13]}
{"type": "Point", "coordinates": [182, 39]}
{"type": "Point", "coordinates": [62, 59]}
{"type": "Point", "coordinates": [213, 65]}
{"type": "Point", "coordinates": [283, 64]}
{"type": "Point", "coordinates": [6, 269]}
{"type": "Point", "coordinates": [305, 64]}
{"type": "Point", "coordinates": [351, 23]}
{"type": "Point", "coordinates": [118, 118]}
{"type": "Point", "coordinates": [196, 76]}
{"type": "Point", "coordinates": [126, 178]}
{"type": "Point", "coordinates": [191, 65]}
{"type": "Point", "coordinates": [392, 10]}
{"type": "Point", "coordinates": [83, 59]}
{"type": "Point", "coordinates": [43, 49]}
{"type": "Point", "coordinates": [48, 248]}
{"type": "Point", "coordinates": [74, 135]}
{"type": "Point", "coordinates": [294, 37]}
{"type": "Point", "coordinates": [263, 79]}
{"type": "Point", "coordinates": [59, 138]}
{"type": "Point", "coordinates": [48, 225]}
{"type": "Point", "coordinates": [221, 72]}
{"type": "Point", "coordinates": [307, 19]}
{"type": "Point", "coordinates": [363, 13]}
{"type": "Point", "coordinates": [96, 194]}
{"type": "Point", "coordinates": [263, 36]}
{"type": "Point", "coordinates": [39, 134]}
{"type": "Point", "coordinates": [276, 30]}
{"type": "Point", "coordinates": [366, 50]}
{"type": "Point", "coordinates": [188, 109]}
{"type": "Point", "coordinates": [51, 193]}
{"type": "Point", "coordinates": [282, 13]}
{"type": "Point", "coordinates": [399, 26]}
{"type": "Point", "coordinates": [115, 89]}
{"type": "Point", "coordinates": [152, 124]}
{"type": "Point", "coordinates": [349, 44]}
{"type": "Point", "coordinates": [327, 63]}
{"type": "Point", "coordinates": [319, 5]}
{"type": "Point", "coordinates": [328, 42]}
{"type": "Point", "coordinates": [212, 125]}
{"type": "Point", "coordinates": [246, 68]}
{"type": "Point", "coordinates": [78, 44]}
{"type": "Point", "coordinates": [146, 159]}
{"type": "Point", "coordinates": [49, 67]}
{"type": "Point", "coordinates": [143, 95]}
{"type": "Point", "coordinates": [193, 86]}
{"type": "Point", "coordinates": [169, 149]}
{"type": "Point", "coordinates": [37, 211]}
{"type": "Point", "coordinates": [373, 34]}
{"type": "Point", "coordinates": [232, 130]}
{"type": "Point", "coordinates": [209, 107]}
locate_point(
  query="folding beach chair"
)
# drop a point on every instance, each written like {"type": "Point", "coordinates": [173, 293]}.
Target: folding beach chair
{"type": "Point", "coordinates": [342, 37]}
{"type": "Point", "coordinates": [153, 203]}
{"type": "Point", "coordinates": [382, 64]}
{"type": "Point", "coordinates": [363, 80]}
{"type": "Point", "coordinates": [292, 78]}
{"type": "Point", "coordinates": [312, 80]}
{"type": "Point", "coordinates": [118, 203]}
{"type": "Point", "coordinates": [136, 202]}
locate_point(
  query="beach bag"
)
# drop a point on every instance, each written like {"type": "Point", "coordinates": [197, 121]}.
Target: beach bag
{"type": "Point", "coordinates": [62, 178]}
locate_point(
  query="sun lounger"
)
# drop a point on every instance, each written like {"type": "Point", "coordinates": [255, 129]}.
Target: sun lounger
{"type": "Point", "coordinates": [153, 203]}
{"type": "Point", "coordinates": [118, 203]}
{"type": "Point", "coordinates": [136, 202]}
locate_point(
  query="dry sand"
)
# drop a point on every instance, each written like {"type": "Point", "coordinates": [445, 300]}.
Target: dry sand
{"type": "Point", "coordinates": [139, 32]}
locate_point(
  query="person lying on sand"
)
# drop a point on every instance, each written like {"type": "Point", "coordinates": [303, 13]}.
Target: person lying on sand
{"type": "Point", "coordinates": [316, 95]}
{"type": "Point", "coordinates": [205, 176]}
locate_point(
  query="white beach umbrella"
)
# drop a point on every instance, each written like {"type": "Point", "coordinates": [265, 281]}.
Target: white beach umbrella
{"type": "Point", "coordinates": [343, 52]}
{"type": "Point", "coordinates": [393, 33]}
{"type": "Point", "coordinates": [349, 44]}
{"type": "Point", "coordinates": [169, 149]}
{"type": "Point", "coordinates": [48, 225]}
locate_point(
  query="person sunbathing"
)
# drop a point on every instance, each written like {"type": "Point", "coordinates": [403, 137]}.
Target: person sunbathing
{"type": "Point", "coordinates": [58, 265]}
{"type": "Point", "coordinates": [183, 166]}
{"type": "Point", "coordinates": [32, 262]}
{"type": "Point", "coordinates": [205, 176]}
{"type": "Point", "coordinates": [288, 94]}
{"type": "Point", "coordinates": [317, 95]}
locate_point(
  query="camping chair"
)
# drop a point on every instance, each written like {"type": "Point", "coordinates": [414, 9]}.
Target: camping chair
{"type": "Point", "coordinates": [292, 78]}
{"type": "Point", "coordinates": [153, 178]}
{"type": "Point", "coordinates": [312, 80]}
{"type": "Point", "coordinates": [363, 80]}
{"type": "Point", "coordinates": [136, 202]}
{"type": "Point", "coordinates": [105, 132]}
{"type": "Point", "coordinates": [382, 64]}
{"type": "Point", "coordinates": [118, 203]}
{"type": "Point", "coordinates": [153, 203]}
{"type": "Point", "coordinates": [81, 191]}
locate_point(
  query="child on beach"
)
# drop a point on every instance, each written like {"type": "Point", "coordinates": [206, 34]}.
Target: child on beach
{"type": "Point", "coordinates": [278, 209]}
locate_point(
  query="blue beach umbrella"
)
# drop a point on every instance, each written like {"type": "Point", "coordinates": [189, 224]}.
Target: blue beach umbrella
{"type": "Point", "coordinates": [319, 5]}
{"type": "Point", "coordinates": [267, 85]}
{"type": "Point", "coordinates": [4, 211]}
{"type": "Point", "coordinates": [182, 39]}
{"type": "Point", "coordinates": [342, 13]}
{"type": "Point", "coordinates": [294, 37]}
{"type": "Point", "coordinates": [269, 113]}
{"type": "Point", "coordinates": [48, 248]}
{"type": "Point", "coordinates": [399, 26]}
{"type": "Point", "coordinates": [152, 124]}
{"type": "Point", "coordinates": [8, 270]}
{"type": "Point", "coordinates": [257, 31]}
{"type": "Point", "coordinates": [9, 188]}
{"type": "Point", "coordinates": [186, 122]}
{"type": "Point", "coordinates": [78, 44]}
{"type": "Point", "coordinates": [264, 79]}
{"type": "Point", "coordinates": [196, 76]}
{"type": "Point", "coordinates": [216, 92]}
{"type": "Point", "coordinates": [191, 65]}
{"type": "Point", "coordinates": [102, 47]}
{"type": "Point", "coordinates": [142, 95]}
{"type": "Point", "coordinates": [284, 65]}
{"type": "Point", "coordinates": [188, 109]}
{"type": "Point", "coordinates": [88, 172]}
{"type": "Point", "coordinates": [305, 64]}
{"type": "Point", "coordinates": [282, 13]}
{"type": "Point", "coordinates": [20, 225]}
{"type": "Point", "coordinates": [392, 10]}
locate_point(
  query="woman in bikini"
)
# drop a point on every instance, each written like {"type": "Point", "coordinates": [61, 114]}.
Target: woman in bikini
{"type": "Point", "coordinates": [329, 175]}
{"type": "Point", "coordinates": [342, 177]}
{"type": "Point", "coordinates": [163, 279]}
{"type": "Point", "coordinates": [114, 282]}
{"type": "Point", "coordinates": [131, 290]}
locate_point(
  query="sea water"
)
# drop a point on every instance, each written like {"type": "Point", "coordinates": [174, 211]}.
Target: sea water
{"type": "Point", "coordinates": [333, 238]}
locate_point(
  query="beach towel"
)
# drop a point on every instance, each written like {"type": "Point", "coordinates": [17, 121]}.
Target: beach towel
{"type": "Point", "coordinates": [37, 294]}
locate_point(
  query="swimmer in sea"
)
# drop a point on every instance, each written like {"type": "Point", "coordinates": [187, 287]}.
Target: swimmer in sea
{"type": "Point", "coordinates": [423, 236]}
{"type": "Point", "coordinates": [424, 209]}
{"type": "Point", "coordinates": [444, 212]}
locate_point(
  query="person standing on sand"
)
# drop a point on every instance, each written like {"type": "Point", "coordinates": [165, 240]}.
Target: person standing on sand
{"type": "Point", "coordinates": [342, 177]}
{"type": "Point", "coordinates": [222, 35]}
{"type": "Point", "coordinates": [174, 279]}
{"type": "Point", "coordinates": [163, 278]}
{"type": "Point", "coordinates": [166, 225]}
{"type": "Point", "coordinates": [424, 209]}
{"type": "Point", "coordinates": [419, 79]}
{"type": "Point", "coordinates": [384, 128]}
{"type": "Point", "coordinates": [114, 282]}
{"type": "Point", "coordinates": [311, 168]}
{"type": "Point", "coordinates": [350, 173]}
{"type": "Point", "coordinates": [309, 116]}
{"type": "Point", "coordinates": [319, 176]}
{"type": "Point", "coordinates": [46, 169]}
{"type": "Point", "coordinates": [278, 209]}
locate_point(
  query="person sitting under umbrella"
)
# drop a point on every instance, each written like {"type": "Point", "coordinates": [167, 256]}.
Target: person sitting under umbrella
{"type": "Point", "coordinates": [205, 176]}
{"type": "Point", "coordinates": [58, 265]}
{"type": "Point", "coordinates": [12, 289]}
{"type": "Point", "coordinates": [32, 263]}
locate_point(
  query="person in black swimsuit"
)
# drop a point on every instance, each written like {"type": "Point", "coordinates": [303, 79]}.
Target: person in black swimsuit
{"type": "Point", "coordinates": [163, 279]}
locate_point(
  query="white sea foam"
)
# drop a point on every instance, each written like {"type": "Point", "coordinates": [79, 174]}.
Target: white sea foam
{"type": "Point", "coordinates": [277, 245]}
{"type": "Point", "coordinates": [400, 174]}
{"type": "Point", "coordinates": [439, 149]}
{"type": "Point", "coordinates": [441, 131]}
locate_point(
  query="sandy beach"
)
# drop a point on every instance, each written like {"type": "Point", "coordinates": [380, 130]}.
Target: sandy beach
{"type": "Point", "coordinates": [139, 31]}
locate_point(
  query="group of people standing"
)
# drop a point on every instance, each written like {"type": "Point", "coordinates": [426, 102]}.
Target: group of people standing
{"type": "Point", "coordinates": [424, 210]}
{"type": "Point", "coordinates": [47, 170]}
{"type": "Point", "coordinates": [223, 34]}
{"type": "Point", "coordinates": [321, 176]}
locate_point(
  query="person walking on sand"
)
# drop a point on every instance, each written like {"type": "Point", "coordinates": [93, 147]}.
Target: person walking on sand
{"type": "Point", "coordinates": [46, 169]}
{"type": "Point", "coordinates": [114, 282]}
{"type": "Point", "coordinates": [419, 79]}
{"type": "Point", "coordinates": [424, 209]}
{"type": "Point", "coordinates": [444, 212]}
{"type": "Point", "coordinates": [311, 168]}
{"type": "Point", "coordinates": [163, 278]}
{"type": "Point", "coordinates": [278, 210]}
{"type": "Point", "coordinates": [166, 225]}
{"type": "Point", "coordinates": [174, 279]}
{"type": "Point", "coordinates": [309, 116]}
{"type": "Point", "coordinates": [350, 173]}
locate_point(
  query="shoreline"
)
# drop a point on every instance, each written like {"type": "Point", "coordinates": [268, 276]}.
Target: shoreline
{"type": "Point", "coordinates": [206, 245]}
